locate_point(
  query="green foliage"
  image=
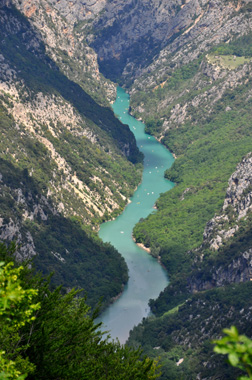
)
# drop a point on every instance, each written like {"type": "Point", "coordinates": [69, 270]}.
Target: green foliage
{"type": "Point", "coordinates": [208, 145]}
{"type": "Point", "coordinates": [153, 125]}
{"type": "Point", "coordinates": [239, 350]}
{"type": "Point", "coordinates": [68, 246]}
{"type": "Point", "coordinates": [63, 340]}
{"type": "Point", "coordinates": [67, 344]}
{"type": "Point", "coordinates": [17, 309]}
{"type": "Point", "coordinates": [104, 159]}
{"type": "Point", "coordinates": [182, 74]}
{"type": "Point", "coordinates": [186, 332]}
{"type": "Point", "coordinates": [168, 85]}
{"type": "Point", "coordinates": [95, 266]}
{"type": "Point", "coordinates": [15, 303]}
{"type": "Point", "coordinates": [8, 369]}
{"type": "Point", "coordinates": [208, 151]}
{"type": "Point", "coordinates": [230, 62]}
{"type": "Point", "coordinates": [239, 47]}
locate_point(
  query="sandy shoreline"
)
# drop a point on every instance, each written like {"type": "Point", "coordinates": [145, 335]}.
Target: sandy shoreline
{"type": "Point", "coordinates": [141, 245]}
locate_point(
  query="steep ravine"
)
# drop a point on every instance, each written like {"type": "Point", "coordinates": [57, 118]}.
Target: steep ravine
{"type": "Point", "coordinates": [146, 276]}
{"type": "Point", "coordinates": [146, 40]}
{"type": "Point", "coordinates": [62, 158]}
{"type": "Point", "coordinates": [188, 67]}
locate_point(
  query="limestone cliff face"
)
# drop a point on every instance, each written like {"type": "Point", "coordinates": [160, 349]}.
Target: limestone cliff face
{"type": "Point", "coordinates": [129, 33]}
{"type": "Point", "coordinates": [203, 91]}
{"type": "Point", "coordinates": [28, 208]}
{"type": "Point", "coordinates": [146, 42]}
{"type": "Point", "coordinates": [208, 23]}
{"type": "Point", "coordinates": [237, 205]}
{"type": "Point", "coordinates": [66, 44]}
{"type": "Point", "coordinates": [211, 82]}
{"type": "Point", "coordinates": [78, 10]}
{"type": "Point", "coordinates": [65, 159]}
{"type": "Point", "coordinates": [150, 37]}
{"type": "Point", "coordinates": [46, 119]}
{"type": "Point", "coordinates": [236, 266]}
{"type": "Point", "coordinates": [238, 270]}
{"type": "Point", "coordinates": [67, 143]}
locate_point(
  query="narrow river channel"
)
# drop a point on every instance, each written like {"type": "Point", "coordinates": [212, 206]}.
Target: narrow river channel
{"type": "Point", "coordinates": [147, 278]}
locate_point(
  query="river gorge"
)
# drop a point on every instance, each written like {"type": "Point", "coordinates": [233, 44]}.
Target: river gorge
{"type": "Point", "coordinates": [147, 278]}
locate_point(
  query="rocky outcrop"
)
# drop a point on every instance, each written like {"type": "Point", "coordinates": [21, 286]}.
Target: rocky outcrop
{"type": "Point", "coordinates": [218, 21]}
{"type": "Point", "coordinates": [206, 318]}
{"type": "Point", "coordinates": [128, 34]}
{"type": "Point", "coordinates": [218, 81]}
{"type": "Point", "coordinates": [149, 38]}
{"type": "Point", "coordinates": [65, 43]}
{"type": "Point", "coordinates": [76, 10]}
{"type": "Point", "coordinates": [51, 129]}
{"type": "Point", "coordinates": [62, 151]}
{"type": "Point", "coordinates": [196, 101]}
{"type": "Point", "coordinates": [239, 192]}
{"type": "Point", "coordinates": [237, 205]}
{"type": "Point", "coordinates": [234, 267]}
{"type": "Point", "coordinates": [239, 270]}
{"type": "Point", "coordinates": [13, 230]}
{"type": "Point", "coordinates": [52, 114]}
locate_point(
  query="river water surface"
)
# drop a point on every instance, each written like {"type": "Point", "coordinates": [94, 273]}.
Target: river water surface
{"type": "Point", "coordinates": [146, 276]}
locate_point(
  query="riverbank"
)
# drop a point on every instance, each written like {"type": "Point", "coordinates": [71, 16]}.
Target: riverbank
{"type": "Point", "coordinates": [141, 245]}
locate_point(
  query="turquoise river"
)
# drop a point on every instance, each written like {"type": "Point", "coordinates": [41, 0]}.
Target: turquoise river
{"type": "Point", "coordinates": [147, 278]}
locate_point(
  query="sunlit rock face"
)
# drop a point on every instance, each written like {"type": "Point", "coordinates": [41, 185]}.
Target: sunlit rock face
{"type": "Point", "coordinates": [136, 37]}
{"type": "Point", "coordinates": [237, 205]}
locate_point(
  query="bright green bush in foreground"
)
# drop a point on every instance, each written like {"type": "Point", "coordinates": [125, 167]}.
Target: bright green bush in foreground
{"type": "Point", "coordinates": [239, 350]}
{"type": "Point", "coordinates": [17, 308]}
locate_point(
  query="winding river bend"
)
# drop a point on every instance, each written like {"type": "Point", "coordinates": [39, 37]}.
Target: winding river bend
{"type": "Point", "coordinates": [146, 276]}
